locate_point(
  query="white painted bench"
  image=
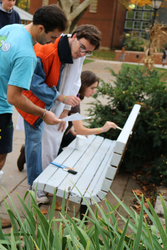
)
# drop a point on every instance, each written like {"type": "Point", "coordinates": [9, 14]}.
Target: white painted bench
{"type": "Point", "coordinates": [96, 164]}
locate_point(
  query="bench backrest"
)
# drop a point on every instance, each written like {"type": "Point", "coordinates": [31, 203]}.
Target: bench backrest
{"type": "Point", "coordinates": [108, 174]}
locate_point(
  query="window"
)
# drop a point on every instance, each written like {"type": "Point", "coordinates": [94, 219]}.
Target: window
{"type": "Point", "coordinates": [146, 16]}
{"type": "Point", "coordinates": [136, 25]}
{"type": "Point", "coordinates": [144, 25]}
{"type": "Point", "coordinates": [138, 7]}
{"type": "Point", "coordinates": [76, 4]}
{"type": "Point", "coordinates": [138, 15]}
{"type": "Point", "coordinates": [136, 33]}
{"type": "Point", "coordinates": [147, 7]}
{"type": "Point", "coordinates": [138, 20]}
{"type": "Point", "coordinates": [45, 2]}
{"type": "Point", "coordinates": [144, 35]}
{"type": "Point", "coordinates": [129, 15]}
{"type": "Point", "coordinates": [93, 6]}
{"type": "Point", "coordinates": [128, 24]}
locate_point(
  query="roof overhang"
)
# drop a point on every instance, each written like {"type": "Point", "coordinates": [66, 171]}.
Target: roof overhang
{"type": "Point", "coordinates": [24, 15]}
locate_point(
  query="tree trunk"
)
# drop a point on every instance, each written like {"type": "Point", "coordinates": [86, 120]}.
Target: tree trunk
{"type": "Point", "coordinates": [75, 21]}
{"type": "Point", "coordinates": [17, 1]}
{"type": "Point", "coordinates": [73, 16]}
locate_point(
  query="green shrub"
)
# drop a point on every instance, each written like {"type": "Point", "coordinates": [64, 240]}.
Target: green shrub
{"type": "Point", "coordinates": [149, 139]}
{"type": "Point", "coordinates": [135, 43]}
{"type": "Point", "coordinates": [40, 232]}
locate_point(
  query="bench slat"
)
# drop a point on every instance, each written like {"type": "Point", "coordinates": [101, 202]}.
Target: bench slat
{"type": "Point", "coordinates": [97, 182]}
{"type": "Point", "coordinates": [61, 176]}
{"type": "Point", "coordinates": [92, 168]}
{"type": "Point", "coordinates": [81, 167]}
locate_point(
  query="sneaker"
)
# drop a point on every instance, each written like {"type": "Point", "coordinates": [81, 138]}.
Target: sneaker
{"type": "Point", "coordinates": [21, 159]}
{"type": "Point", "coordinates": [41, 197]}
{"type": "Point", "coordinates": [30, 188]}
{"type": "Point", "coordinates": [5, 223]}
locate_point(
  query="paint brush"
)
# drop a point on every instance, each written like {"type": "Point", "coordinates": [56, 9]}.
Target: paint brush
{"type": "Point", "coordinates": [65, 168]}
{"type": "Point", "coordinates": [119, 128]}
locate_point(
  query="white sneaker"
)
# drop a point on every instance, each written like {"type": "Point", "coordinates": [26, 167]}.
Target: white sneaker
{"type": "Point", "coordinates": [41, 197]}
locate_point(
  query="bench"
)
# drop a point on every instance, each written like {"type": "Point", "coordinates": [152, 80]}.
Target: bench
{"type": "Point", "coordinates": [96, 163]}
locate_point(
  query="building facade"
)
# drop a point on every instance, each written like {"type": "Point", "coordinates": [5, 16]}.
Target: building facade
{"type": "Point", "coordinates": [107, 15]}
{"type": "Point", "coordinates": [137, 20]}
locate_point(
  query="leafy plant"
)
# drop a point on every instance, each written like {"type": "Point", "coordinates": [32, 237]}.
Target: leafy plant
{"type": "Point", "coordinates": [149, 139]}
{"type": "Point", "coordinates": [40, 232]}
{"type": "Point", "coordinates": [135, 43]}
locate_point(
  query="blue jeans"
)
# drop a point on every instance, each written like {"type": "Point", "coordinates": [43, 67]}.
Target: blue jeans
{"type": "Point", "coordinates": [122, 57]}
{"type": "Point", "coordinates": [33, 151]}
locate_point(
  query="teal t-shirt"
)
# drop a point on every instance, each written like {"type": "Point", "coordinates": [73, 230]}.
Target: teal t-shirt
{"type": "Point", "coordinates": [17, 61]}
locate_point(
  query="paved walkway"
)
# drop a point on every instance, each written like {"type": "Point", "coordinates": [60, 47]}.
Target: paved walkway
{"type": "Point", "coordinates": [15, 182]}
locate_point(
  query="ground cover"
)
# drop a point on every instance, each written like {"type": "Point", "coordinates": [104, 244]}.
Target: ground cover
{"type": "Point", "coordinates": [104, 54]}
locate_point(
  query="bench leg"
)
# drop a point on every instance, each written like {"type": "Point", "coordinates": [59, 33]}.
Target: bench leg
{"type": "Point", "coordinates": [83, 209]}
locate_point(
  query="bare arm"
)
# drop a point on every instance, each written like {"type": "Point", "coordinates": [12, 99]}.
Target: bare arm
{"type": "Point", "coordinates": [71, 100]}
{"type": "Point", "coordinates": [81, 130]}
{"type": "Point", "coordinates": [16, 98]}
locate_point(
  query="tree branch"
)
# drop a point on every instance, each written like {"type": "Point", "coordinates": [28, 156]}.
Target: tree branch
{"type": "Point", "coordinates": [79, 9]}
{"type": "Point", "coordinates": [74, 22]}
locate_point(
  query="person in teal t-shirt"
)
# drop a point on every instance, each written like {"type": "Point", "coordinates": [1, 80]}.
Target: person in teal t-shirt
{"type": "Point", "coordinates": [17, 64]}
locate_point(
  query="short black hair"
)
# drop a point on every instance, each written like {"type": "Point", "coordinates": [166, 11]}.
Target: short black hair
{"type": "Point", "coordinates": [51, 17]}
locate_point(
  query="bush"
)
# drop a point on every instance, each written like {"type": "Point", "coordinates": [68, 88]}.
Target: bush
{"type": "Point", "coordinates": [149, 140]}
{"type": "Point", "coordinates": [135, 43]}
{"type": "Point", "coordinates": [40, 232]}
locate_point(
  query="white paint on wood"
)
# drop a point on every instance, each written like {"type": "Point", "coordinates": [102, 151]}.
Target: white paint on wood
{"type": "Point", "coordinates": [111, 172]}
{"type": "Point", "coordinates": [115, 159]}
{"type": "Point", "coordinates": [96, 165]}
{"type": "Point", "coordinates": [128, 127]}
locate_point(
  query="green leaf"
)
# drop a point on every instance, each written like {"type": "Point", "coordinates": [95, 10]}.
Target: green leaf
{"type": "Point", "coordinates": [149, 236]}
{"type": "Point", "coordinates": [121, 241]}
{"type": "Point", "coordinates": [165, 211]}
{"type": "Point", "coordinates": [139, 230]}
{"type": "Point", "coordinates": [159, 226]}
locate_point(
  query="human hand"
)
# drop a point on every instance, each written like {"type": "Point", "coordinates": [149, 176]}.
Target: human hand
{"type": "Point", "coordinates": [72, 100]}
{"type": "Point", "coordinates": [62, 126]}
{"type": "Point", "coordinates": [109, 125]}
{"type": "Point", "coordinates": [63, 123]}
{"type": "Point", "coordinates": [50, 118]}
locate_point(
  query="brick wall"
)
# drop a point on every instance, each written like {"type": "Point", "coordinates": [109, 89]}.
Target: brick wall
{"type": "Point", "coordinates": [136, 57]}
{"type": "Point", "coordinates": [109, 19]}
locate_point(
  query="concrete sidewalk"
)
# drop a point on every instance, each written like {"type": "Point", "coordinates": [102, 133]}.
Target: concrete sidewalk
{"type": "Point", "coordinates": [15, 182]}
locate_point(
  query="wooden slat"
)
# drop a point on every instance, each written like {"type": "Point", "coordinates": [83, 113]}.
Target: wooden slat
{"type": "Point", "coordinates": [69, 161]}
{"type": "Point", "coordinates": [115, 159]}
{"type": "Point", "coordinates": [128, 127]}
{"type": "Point", "coordinates": [91, 169]}
{"type": "Point", "coordinates": [110, 172]}
{"type": "Point", "coordinates": [97, 183]}
{"type": "Point", "coordinates": [81, 167]}
{"type": "Point", "coordinates": [41, 180]}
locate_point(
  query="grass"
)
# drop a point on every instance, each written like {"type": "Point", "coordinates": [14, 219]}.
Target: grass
{"type": "Point", "coordinates": [87, 61]}
{"type": "Point", "coordinates": [101, 54]}
{"type": "Point", "coordinates": [104, 54]}
{"type": "Point", "coordinates": [110, 55]}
